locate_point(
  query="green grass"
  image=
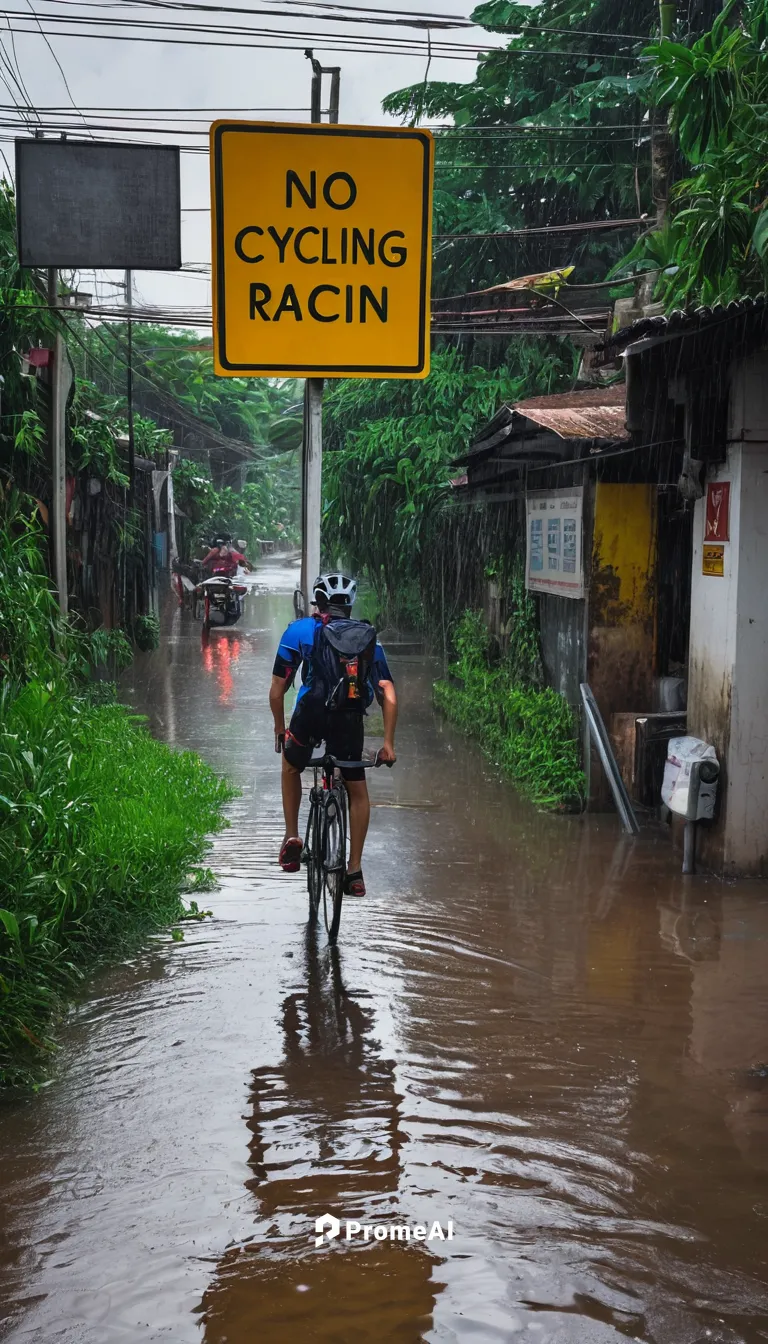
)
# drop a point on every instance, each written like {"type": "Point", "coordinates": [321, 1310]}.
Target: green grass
{"type": "Point", "coordinates": [529, 732]}
{"type": "Point", "coordinates": [100, 826]}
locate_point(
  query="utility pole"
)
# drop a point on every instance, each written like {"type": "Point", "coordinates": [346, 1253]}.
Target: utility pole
{"type": "Point", "coordinates": [662, 149]}
{"type": "Point", "coordinates": [61, 382]}
{"type": "Point", "coordinates": [129, 380]}
{"type": "Point", "coordinates": [312, 439]}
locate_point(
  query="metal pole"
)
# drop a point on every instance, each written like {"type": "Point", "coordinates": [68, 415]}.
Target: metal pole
{"type": "Point", "coordinates": [667, 12]}
{"type": "Point", "coordinates": [662, 149]}
{"type": "Point", "coordinates": [313, 478]}
{"type": "Point", "coordinates": [689, 848]}
{"type": "Point", "coordinates": [608, 761]}
{"type": "Point", "coordinates": [59, 388]}
{"type": "Point", "coordinates": [312, 443]}
{"type": "Point", "coordinates": [333, 110]}
{"type": "Point", "coordinates": [129, 381]}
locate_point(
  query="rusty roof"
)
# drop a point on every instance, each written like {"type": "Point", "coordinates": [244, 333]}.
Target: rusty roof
{"type": "Point", "coordinates": [598, 413]}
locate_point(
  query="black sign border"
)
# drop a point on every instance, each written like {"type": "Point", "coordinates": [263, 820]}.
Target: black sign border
{"type": "Point", "coordinates": [319, 370]}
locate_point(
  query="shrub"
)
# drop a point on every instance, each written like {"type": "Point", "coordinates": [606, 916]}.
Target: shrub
{"type": "Point", "coordinates": [529, 732]}
{"type": "Point", "coordinates": [99, 825]}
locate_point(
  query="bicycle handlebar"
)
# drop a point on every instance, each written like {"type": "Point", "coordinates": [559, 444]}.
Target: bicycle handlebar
{"type": "Point", "coordinates": [327, 759]}
{"type": "Point", "coordinates": [354, 765]}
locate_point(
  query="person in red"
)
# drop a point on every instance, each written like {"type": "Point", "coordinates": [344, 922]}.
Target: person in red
{"type": "Point", "coordinates": [224, 560]}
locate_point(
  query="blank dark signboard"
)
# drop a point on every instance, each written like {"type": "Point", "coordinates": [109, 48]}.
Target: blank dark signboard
{"type": "Point", "coordinates": [115, 207]}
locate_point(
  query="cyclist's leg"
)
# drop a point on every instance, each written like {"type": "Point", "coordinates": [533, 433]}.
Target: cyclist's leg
{"type": "Point", "coordinates": [291, 789]}
{"type": "Point", "coordinates": [359, 817]}
{"type": "Point", "coordinates": [296, 754]}
{"type": "Point", "coordinates": [346, 741]}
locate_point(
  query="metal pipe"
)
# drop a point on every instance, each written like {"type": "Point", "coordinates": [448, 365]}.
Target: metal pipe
{"type": "Point", "coordinates": [59, 390]}
{"type": "Point", "coordinates": [689, 848]}
{"type": "Point", "coordinates": [608, 761]}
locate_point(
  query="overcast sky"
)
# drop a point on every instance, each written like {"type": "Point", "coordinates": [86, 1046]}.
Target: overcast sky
{"type": "Point", "coordinates": [110, 73]}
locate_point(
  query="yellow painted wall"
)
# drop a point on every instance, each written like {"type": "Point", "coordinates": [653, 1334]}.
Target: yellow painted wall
{"type": "Point", "coordinates": [624, 555]}
{"type": "Point", "coordinates": [621, 652]}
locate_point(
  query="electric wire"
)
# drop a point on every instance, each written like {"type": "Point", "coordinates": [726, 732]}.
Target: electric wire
{"type": "Point", "coordinates": [332, 42]}
{"type": "Point", "coordinates": [366, 14]}
{"type": "Point", "coordinates": [53, 53]}
{"type": "Point", "coordinates": [20, 78]}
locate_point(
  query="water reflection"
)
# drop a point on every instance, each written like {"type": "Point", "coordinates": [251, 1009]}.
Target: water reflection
{"type": "Point", "coordinates": [219, 656]}
{"type": "Point", "coordinates": [326, 1137]}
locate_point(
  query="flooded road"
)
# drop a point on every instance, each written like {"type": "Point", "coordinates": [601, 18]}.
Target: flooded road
{"type": "Point", "coordinates": [533, 1028]}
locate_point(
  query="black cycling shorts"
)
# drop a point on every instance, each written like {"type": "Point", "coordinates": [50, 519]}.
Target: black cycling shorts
{"type": "Point", "coordinates": [342, 731]}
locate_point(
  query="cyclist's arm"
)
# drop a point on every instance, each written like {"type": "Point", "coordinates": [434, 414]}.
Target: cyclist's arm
{"type": "Point", "coordinates": [387, 698]}
{"type": "Point", "coordinates": [277, 692]}
{"type": "Point", "coordinates": [287, 663]}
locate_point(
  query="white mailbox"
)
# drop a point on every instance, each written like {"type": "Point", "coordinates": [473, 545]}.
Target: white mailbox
{"type": "Point", "coordinates": [690, 778]}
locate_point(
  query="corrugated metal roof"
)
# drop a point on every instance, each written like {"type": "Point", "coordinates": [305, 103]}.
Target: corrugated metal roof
{"type": "Point", "coordinates": [683, 322]}
{"type": "Point", "coordinates": [596, 414]}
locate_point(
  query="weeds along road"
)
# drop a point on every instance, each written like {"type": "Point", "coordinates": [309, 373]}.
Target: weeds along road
{"type": "Point", "coordinates": [532, 1029]}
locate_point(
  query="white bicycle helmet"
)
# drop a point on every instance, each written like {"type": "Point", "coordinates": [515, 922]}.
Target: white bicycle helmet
{"type": "Point", "coordinates": [335, 588]}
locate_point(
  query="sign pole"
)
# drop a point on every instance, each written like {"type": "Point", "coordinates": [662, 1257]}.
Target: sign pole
{"type": "Point", "coordinates": [312, 439]}
{"type": "Point", "coordinates": [129, 379]}
{"type": "Point", "coordinates": [59, 390]}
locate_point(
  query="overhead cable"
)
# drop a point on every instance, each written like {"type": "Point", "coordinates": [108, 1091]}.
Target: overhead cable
{"type": "Point", "coordinates": [365, 14]}
{"type": "Point", "coordinates": [321, 41]}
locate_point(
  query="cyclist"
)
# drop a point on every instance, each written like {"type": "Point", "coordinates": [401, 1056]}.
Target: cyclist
{"type": "Point", "coordinates": [224, 560]}
{"type": "Point", "coordinates": [341, 728]}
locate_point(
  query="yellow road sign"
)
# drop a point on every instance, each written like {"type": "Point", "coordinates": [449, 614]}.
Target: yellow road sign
{"type": "Point", "coordinates": [322, 250]}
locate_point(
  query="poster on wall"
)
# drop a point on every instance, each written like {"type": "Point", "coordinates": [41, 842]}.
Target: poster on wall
{"type": "Point", "coordinates": [554, 561]}
{"type": "Point", "coordinates": [718, 511]}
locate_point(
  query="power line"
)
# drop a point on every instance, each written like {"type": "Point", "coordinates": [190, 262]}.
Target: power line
{"type": "Point", "coordinates": [322, 43]}
{"type": "Point", "coordinates": [142, 113]}
{"type": "Point", "coordinates": [363, 14]}
{"type": "Point", "coordinates": [332, 42]}
{"type": "Point", "coordinates": [233, 30]}
{"type": "Point", "coordinates": [20, 78]}
{"type": "Point", "coordinates": [56, 119]}
{"type": "Point", "coordinates": [53, 53]}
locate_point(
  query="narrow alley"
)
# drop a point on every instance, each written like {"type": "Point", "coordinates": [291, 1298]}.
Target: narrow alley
{"type": "Point", "coordinates": [532, 1027]}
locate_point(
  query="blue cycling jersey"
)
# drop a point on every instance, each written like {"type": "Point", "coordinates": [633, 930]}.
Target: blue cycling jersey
{"type": "Point", "coordinates": [295, 651]}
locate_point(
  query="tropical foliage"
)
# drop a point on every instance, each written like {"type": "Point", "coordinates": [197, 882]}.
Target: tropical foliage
{"type": "Point", "coordinates": [388, 465]}
{"type": "Point", "coordinates": [715, 88]}
{"type": "Point", "coordinates": [266, 508]}
{"type": "Point", "coordinates": [99, 824]}
{"type": "Point", "coordinates": [529, 732]}
{"type": "Point", "coordinates": [549, 132]}
{"type": "Point", "coordinates": [175, 387]}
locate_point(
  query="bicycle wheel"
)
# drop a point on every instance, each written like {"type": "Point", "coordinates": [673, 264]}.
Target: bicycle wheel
{"type": "Point", "coordinates": [313, 857]}
{"type": "Point", "coordinates": [334, 859]}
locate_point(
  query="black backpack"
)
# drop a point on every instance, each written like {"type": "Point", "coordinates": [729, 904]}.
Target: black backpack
{"type": "Point", "coordinates": [341, 663]}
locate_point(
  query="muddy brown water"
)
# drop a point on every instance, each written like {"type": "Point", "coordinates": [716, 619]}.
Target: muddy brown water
{"type": "Point", "coordinates": [533, 1028]}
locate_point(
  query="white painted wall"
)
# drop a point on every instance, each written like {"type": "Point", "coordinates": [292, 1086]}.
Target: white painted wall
{"type": "Point", "coordinates": [712, 652]}
{"type": "Point", "coordinates": [728, 659]}
{"type": "Point", "coordinates": [747, 809]}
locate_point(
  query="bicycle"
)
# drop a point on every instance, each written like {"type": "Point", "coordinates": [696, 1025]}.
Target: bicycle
{"type": "Point", "coordinates": [325, 843]}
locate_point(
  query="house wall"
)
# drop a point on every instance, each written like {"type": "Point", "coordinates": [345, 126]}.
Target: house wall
{"type": "Point", "coordinates": [728, 676]}
{"type": "Point", "coordinates": [562, 622]}
{"type": "Point", "coordinates": [621, 639]}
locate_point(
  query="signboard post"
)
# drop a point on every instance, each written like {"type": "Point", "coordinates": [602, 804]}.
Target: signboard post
{"type": "Point", "coordinates": [321, 250]}
{"type": "Point", "coordinates": [554, 561]}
